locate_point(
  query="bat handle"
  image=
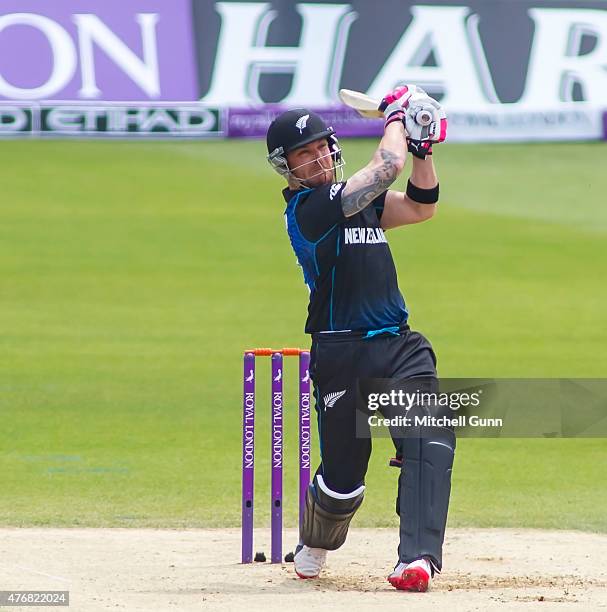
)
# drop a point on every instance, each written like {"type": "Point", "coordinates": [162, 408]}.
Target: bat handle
{"type": "Point", "coordinates": [423, 118]}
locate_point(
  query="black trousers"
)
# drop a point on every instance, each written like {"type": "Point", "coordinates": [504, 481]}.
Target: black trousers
{"type": "Point", "coordinates": [338, 363]}
{"type": "Point", "coordinates": [341, 369]}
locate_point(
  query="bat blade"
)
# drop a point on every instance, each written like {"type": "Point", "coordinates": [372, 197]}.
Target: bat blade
{"type": "Point", "coordinates": [365, 105]}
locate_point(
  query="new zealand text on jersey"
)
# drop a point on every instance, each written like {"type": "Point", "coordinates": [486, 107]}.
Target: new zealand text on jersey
{"type": "Point", "coordinates": [364, 235]}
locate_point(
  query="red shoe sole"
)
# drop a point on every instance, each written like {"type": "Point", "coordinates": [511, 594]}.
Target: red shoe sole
{"type": "Point", "coordinates": [306, 577]}
{"type": "Point", "coordinates": [414, 579]}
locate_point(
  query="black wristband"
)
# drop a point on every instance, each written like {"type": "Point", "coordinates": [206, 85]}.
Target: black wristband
{"type": "Point", "coordinates": [422, 196]}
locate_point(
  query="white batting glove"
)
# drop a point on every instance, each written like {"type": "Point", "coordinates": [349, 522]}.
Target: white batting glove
{"type": "Point", "coordinates": [394, 105]}
{"type": "Point", "coordinates": [426, 120]}
{"type": "Point", "coordinates": [426, 123]}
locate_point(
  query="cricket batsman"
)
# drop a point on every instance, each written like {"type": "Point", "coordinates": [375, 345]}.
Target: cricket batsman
{"type": "Point", "coordinates": [358, 322]}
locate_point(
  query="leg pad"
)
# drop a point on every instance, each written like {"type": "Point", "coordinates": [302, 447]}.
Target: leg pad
{"type": "Point", "coordinates": [328, 515]}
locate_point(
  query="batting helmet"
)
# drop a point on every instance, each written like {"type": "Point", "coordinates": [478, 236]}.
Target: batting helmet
{"type": "Point", "coordinates": [296, 128]}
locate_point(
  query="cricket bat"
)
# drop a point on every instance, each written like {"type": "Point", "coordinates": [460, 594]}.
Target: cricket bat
{"type": "Point", "coordinates": [366, 106]}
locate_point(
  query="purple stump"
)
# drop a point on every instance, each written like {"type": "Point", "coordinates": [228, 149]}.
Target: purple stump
{"type": "Point", "coordinates": [248, 456]}
{"type": "Point", "coordinates": [304, 432]}
{"type": "Point", "coordinates": [276, 458]}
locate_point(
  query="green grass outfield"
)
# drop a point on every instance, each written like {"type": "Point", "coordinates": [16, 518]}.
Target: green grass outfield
{"type": "Point", "coordinates": [132, 275]}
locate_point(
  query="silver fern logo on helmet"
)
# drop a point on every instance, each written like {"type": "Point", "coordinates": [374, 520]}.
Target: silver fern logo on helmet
{"type": "Point", "coordinates": [331, 398]}
{"type": "Point", "coordinates": [301, 123]}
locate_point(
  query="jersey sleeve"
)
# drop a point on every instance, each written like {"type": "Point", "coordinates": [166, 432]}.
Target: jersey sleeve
{"type": "Point", "coordinates": [320, 211]}
{"type": "Point", "coordinates": [379, 203]}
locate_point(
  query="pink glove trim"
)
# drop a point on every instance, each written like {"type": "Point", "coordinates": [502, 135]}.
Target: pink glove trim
{"type": "Point", "coordinates": [443, 130]}
{"type": "Point", "coordinates": [395, 116]}
{"type": "Point", "coordinates": [398, 93]}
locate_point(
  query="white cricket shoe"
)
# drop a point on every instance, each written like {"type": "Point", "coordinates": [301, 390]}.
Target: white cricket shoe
{"type": "Point", "coordinates": [413, 576]}
{"type": "Point", "coordinates": [309, 561]}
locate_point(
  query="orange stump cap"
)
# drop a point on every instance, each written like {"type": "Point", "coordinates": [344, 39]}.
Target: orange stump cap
{"type": "Point", "coordinates": [268, 352]}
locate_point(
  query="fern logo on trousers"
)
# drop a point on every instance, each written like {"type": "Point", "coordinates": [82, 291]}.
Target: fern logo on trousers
{"type": "Point", "coordinates": [331, 398]}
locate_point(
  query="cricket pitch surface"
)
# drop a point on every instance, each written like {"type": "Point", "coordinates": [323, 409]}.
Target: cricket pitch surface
{"type": "Point", "coordinates": [199, 569]}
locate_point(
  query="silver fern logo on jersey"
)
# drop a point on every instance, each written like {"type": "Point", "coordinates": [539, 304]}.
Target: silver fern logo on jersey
{"type": "Point", "coordinates": [331, 398]}
{"type": "Point", "coordinates": [301, 123]}
{"type": "Point", "coordinates": [334, 190]}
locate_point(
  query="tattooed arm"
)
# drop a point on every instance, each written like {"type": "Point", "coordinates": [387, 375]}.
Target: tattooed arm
{"type": "Point", "coordinates": [400, 209]}
{"type": "Point", "coordinates": [387, 163]}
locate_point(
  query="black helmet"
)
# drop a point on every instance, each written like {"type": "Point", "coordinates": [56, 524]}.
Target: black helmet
{"type": "Point", "coordinates": [296, 128]}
